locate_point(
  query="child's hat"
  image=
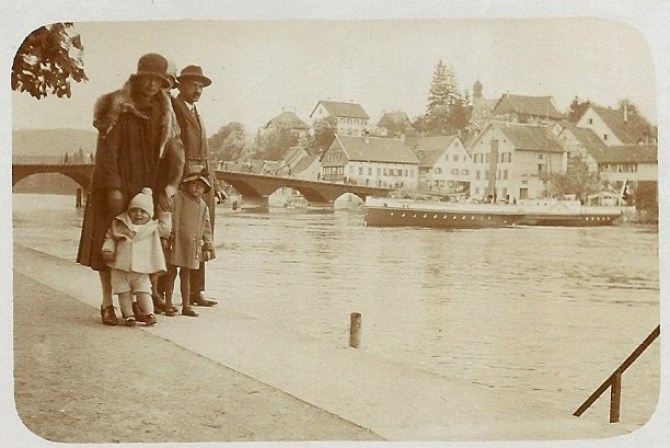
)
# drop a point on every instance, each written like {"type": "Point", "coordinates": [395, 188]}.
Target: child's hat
{"type": "Point", "coordinates": [198, 173]}
{"type": "Point", "coordinates": [143, 200]}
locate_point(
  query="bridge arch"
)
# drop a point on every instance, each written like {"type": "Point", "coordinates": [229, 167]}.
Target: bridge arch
{"type": "Point", "coordinates": [80, 174]}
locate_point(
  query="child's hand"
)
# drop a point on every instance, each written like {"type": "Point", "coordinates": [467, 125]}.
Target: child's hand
{"type": "Point", "coordinates": [108, 257]}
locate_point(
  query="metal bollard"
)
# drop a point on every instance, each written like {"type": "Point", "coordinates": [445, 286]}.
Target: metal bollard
{"type": "Point", "coordinates": [355, 330]}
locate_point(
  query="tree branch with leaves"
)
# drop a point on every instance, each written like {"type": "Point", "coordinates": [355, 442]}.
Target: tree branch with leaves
{"type": "Point", "coordinates": [47, 60]}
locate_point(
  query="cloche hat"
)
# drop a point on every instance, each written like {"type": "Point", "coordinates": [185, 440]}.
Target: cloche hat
{"type": "Point", "coordinates": [155, 65]}
{"type": "Point", "coordinates": [194, 72]}
{"type": "Point", "coordinates": [198, 173]}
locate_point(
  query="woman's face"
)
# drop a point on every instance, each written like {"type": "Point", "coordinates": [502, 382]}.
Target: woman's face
{"type": "Point", "coordinates": [149, 85]}
{"type": "Point", "coordinates": [138, 216]}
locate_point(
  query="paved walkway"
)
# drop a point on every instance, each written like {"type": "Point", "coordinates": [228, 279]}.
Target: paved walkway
{"type": "Point", "coordinates": [357, 396]}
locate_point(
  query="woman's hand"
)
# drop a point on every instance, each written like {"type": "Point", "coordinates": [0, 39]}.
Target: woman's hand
{"type": "Point", "coordinates": [115, 202]}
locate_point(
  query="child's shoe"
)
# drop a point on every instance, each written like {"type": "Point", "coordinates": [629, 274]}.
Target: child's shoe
{"type": "Point", "coordinates": [188, 311]}
{"type": "Point", "coordinates": [149, 320]}
{"type": "Point", "coordinates": [130, 321]}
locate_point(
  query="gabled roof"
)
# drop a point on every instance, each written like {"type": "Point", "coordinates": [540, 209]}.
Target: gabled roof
{"type": "Point", "coordinates": [586, 137]}
{"type": "Point", "coordinates": [633, 130]}
{"type": "Point", "coordinates": [528, 137]}
{"type": "Point", "coordinates": [428, 158]}
{"type": "Point", "coordinates": [628, 154]}
{"type": "Point", "coordinates": [305, 163]}
{"type": "Point", "coordinates": [376, 149]}
{"type": "Point", "coordinates": [287, 120]}
{"type": "Point", "coordinates": [539, 106]}
{"type": "Point", "coordinates": [338, 109]}
{"type": "Point", "coordinates": [394, 119]}
{"type": "Point", "coordinates": [435, 143]}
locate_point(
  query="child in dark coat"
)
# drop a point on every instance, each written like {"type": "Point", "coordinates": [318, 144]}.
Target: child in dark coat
{"type": "Point", "coordinates": [191, 239]}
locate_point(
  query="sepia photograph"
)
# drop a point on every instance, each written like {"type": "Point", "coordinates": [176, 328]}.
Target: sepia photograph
{"type": "Point", "coordinates": [336, 224]}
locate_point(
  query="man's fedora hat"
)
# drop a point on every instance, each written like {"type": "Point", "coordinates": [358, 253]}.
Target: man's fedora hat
{"type": "Point", "coordinates": [194, 72]}
{"type": "Point", "coordinates": [153, 64]}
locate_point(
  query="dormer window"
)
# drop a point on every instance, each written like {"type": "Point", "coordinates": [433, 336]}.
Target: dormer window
{"type": "Point", "coordinates": [590, 120]}
{"type": "Point", "coordinates": [604, 136]}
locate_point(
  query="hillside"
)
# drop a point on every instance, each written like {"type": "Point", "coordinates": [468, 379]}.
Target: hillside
{"type": "Point", "coordinates": [51, 142]}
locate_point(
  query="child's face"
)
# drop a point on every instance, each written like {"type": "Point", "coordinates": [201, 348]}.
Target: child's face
{"type": "Point", "coordinates": [138, 216]}
{"type": "Point", "coordinates": [196, 188]}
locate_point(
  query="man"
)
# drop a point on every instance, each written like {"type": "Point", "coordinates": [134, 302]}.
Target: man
{"type": "Point", "coordinates": [191, 83]}
{"type": "Point", "coordinates": [135, 135]}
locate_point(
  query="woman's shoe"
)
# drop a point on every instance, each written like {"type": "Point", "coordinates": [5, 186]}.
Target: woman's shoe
{"type": "Point", "coordinates": [109, 315]}
{"type": "Point", "coordinates": [188, 311]}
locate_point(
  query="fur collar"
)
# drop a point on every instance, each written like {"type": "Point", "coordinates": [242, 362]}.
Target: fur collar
{"type": "Point", "coordinates": [110, 106]}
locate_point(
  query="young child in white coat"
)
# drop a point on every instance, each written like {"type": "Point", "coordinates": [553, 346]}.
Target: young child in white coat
{"type": "Point", "coordinates": [191, 240]}
{"type": "Point", "coordinates": [133, 249]}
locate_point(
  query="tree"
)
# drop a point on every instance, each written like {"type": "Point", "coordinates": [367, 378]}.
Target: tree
{"type": "Point", "coordinates": [228, 142]}
{"type": "Point", "coordinates": [577, 109]}
{"type": "Point", "coordinates": [47, 59]}
{"type": "Point", "coordinates": [273, 143]}
{"type": "Point", "coordinates": [577, 180]}
{"type": "Point", "coordinates": [324, 131]}
{"type": "Point", "coordinates": [445, 110]}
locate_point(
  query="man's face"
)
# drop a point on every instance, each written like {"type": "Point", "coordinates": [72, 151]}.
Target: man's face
{"type": "Point", "coordinates": [149, 85]}
{"type": "Point", "coordinates": [191, 90]}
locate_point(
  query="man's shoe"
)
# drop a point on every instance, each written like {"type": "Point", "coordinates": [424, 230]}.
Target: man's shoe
{"type": "Point", "coordinates": [188, 311]}
{"type": "Point", "coordinates": [202, 301]}
{"type": "Point", "coordinates": [109, 315]}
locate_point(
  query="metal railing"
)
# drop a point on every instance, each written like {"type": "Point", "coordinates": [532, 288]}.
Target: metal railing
{"type": "Point", "coordinates": [614, 381]}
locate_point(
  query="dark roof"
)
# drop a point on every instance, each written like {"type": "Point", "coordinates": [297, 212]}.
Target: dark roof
{"type": "Point", "coordinates": [628, 154]}
{"type": "Point", "coordinates": [587, 138]}
{"type": "Point", "coordinates": [376, 149]}
{"type": "Point", "coordinates": [394, 119]}
{"type": "Point", "coordinates": [337, 109]}
{"type": "Point", "coordinates": [305, 163]}
{"type": "Point", "coordinates": [529, 137]}
{"type": "Point", "coordinates": [287, 120]}
{"type": "Point", "coordinates": [539, 106]}
{"type": "Point", "coordinates": [634, 130]}
{"type": "Point", "coordinates": [427, 158]}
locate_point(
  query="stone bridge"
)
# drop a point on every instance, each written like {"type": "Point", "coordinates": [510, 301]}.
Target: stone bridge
{"type": "Point", "coordinates": [254, 188]}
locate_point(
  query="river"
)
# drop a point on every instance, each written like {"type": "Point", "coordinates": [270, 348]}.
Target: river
{"type": "Point", "coordinates": [548, 311]}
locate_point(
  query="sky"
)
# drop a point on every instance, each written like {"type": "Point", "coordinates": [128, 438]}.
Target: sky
{"type": "Point", "coordinates": [261, 67]}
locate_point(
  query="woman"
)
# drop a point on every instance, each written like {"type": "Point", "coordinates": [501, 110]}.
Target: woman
{"type": "Point", "coordinates": [136, 129]}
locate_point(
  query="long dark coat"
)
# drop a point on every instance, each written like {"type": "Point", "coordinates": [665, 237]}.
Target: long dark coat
{"type": "Point", "coordinates": [191, 232]}
{"type": "Point", "coordinates": [127, 158]}
{"type": "Point", "coordinates": [194, 137]}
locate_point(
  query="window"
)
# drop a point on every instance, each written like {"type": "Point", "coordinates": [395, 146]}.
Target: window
{"type": "Point", "coordinates": [464, 172]}
{"type": "Point", "coordinates": [590, 120]}
{"type": "Point", "coordinates": [478, 174]}
{"type": "Point", "coordinates": [379, 172]}
{"type": "Point", "coordinates": [604, 136]}
{"type": "Point", "coordinates": [455, 157]}
{"type": "Point", "coordinates": [540, 156]}
{"type": "Point", "coordinates": [360, 170]}
{"type": "Point", "coordinates": [454, 171]}
{"type": "Point", "coordinates": [540, 168]}
{"type": "Point", "coordinates": [505, 175]}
